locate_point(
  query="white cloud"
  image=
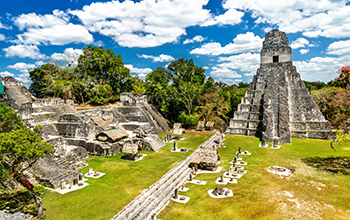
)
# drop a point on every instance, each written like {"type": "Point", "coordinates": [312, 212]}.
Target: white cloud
{"type": "Point", "coordinates": [56, 35]}
{"type": "Point", "coordinates": [160, 58]}
{"type": "Point", "coordinates": [326, 18]}
{"type": "Point", "coordinates": [142, 76]}
{"type": "Point", "coordinates": [69, 56]}
{"type": "Point", "coordinates": [22, 51]}
{"type": "Point", "coordinates": [23, 78]}
{"type": "Point", "coordinates": [52, 29]}
{"type": "Point", "coordinates": [43, 21]}
{"type": "Point", "coordinates": [147, 23]}
{"type": "Point", "coordinates": [339, 47]}
{"type": "Point", "coordinates": [39, 63]}
{"type": "Point", "coordinates": [230, 17]}
{"type": "Point", "coordinates": [229, 81]}
{"type": "Point", "coordinates": [23, 67]}
{"type": "Point", "coordinates": [2, 37]}
{"type": "Point", "coordinates": [224, 72]}
{"type": "Point", "coordinates": [247, 63]}
{"type": "Point", "coordinates": [6, 73]}
{"type": "Point", "coordinates": [300, 42]}
{"type": "Point", "coordinates": [138, 70]}
{"type": "Point", "coordinates": [205, 67]}
{"type": "Point", "coordinates": [304, 51]}
{"type": "Point", "coordinates": [5, 26]}
{"type": "Point", "coordinates": [321, 68]}
{"type": "Point", "coordinates": [197, 38]}
{"type": "Point", "coordinates": [243, 43]}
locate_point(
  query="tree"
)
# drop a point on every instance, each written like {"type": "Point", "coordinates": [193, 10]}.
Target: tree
{"type": "Point", "coordinates": [99, 66]}
{"type": "Point", "coordinates": [19, 149]}
{"type": "Point", "coordinates": [186, 71]}
{"type": "Point", "coordinates": [323, 98]}
{"type": "Point", "coordinates": [213, 107]}
{"type": "Point", "coordinates": [9, 120]}
{"type": "Point", "coordinates": [156, 86]}
{"type": "Point", "coordinates": [42, 77]}
{"type": "Point", "coordinates": [343, 80]}
{"type": "Point", "coordinates": [315, 85]}
{"type": "Point", "coordinates": [186, 93]}
{"type": "Point", "coordinates": [138, 86]}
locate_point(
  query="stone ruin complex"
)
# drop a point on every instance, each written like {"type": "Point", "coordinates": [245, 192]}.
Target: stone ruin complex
{"type": "Point", "coordinates": [277, 106]}
{"type": "Point", "coordinates": [78, 132]}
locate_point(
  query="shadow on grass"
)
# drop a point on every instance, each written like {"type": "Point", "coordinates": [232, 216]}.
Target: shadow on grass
{"type": "Point", "coordinates": [329, 164]}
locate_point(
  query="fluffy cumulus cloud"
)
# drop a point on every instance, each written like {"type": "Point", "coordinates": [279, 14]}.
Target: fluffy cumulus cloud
{"type": "Point", "coordinates": [52, 29]}
{"type": "Point", "coordinates": [304, 51]}
{"type": "Point", "coordinates": [24, 78]}
{"type": "Point", "coordinates": [246, 62]}
{"type": "Point", "coordinates": [321, 68]}
{"type": "Point", "coordinates": [56, 35]}
{"type": "Point", "coordinates": [69, 56]}
{"type": "Point", "coordinates": [197, 38]}
{"type": "Point", "coordinates": [22, 51]}
{"type": "Point", "coordinates": [231, 17]}
{"type": "Point", "coordinates": [160, 58]}
{"type": "Point", "coordinates": [39, 63]}
{"type": "Point", "coordinates": [6, 73]}
{"type": "Point", "coordinates": [223, 72]}
{"type": "Point", "coordinates": [32, 20]}
{"type": "Point", "coordinates": [2, 37]}
{"type": "Point", "coordinates": [300, 42]}
{"type": "Point", "coordinates": [243, 43]}
{"type": "Point", "coordinates": [22, 67]}
{"type": "Point", "coordinates": [147, 23]}
{"type": "Point", "coordinates": [140, 72]}
{"type": "Point", "coordinates": [339, 47]}
{"type": "Point", "coordinates": [326, 18]}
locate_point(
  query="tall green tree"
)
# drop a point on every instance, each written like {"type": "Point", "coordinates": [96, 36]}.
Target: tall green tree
{"type": "Point", "coordinates": [182, 70]}
{"type": "Point", "coordinates": [42, 77]}
{"type": "Point", "coordinates": [156, 86]}
{"type": "Point", "coordinates": [19, 149]}
{"type": "Point", "coordinates": [9, 120]}
{"type": "Point", "coordinates": [99, 66]}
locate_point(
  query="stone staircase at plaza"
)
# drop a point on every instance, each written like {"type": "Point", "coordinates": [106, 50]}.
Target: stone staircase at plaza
{"type": "Point", "coordinates": [153, 200]}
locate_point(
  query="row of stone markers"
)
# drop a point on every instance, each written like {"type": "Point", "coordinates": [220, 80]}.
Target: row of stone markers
{"type": "Point", "coordinates": [235, 171]}
{"type": "Point", "coordinates": [273, 146]}
{"type": "Point", "coordinates": [153, 200]}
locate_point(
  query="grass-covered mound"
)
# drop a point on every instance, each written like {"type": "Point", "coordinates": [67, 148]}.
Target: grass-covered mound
{"type": "Point", "coordinates": [307, 194]}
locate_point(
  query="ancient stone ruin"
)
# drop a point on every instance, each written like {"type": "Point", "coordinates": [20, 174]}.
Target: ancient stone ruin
{"type": "Point", "coordinates": [78, 132]}
{"type": "Point", "coordinates": [277, 105]}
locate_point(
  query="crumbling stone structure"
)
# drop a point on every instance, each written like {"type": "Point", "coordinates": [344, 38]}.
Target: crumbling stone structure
{"type": "Point", "coordinates": [277, 105]}
{"type": "Point", "coordinates": [77, 132]}
{"type": "Point", "coordinates": [137, 108]}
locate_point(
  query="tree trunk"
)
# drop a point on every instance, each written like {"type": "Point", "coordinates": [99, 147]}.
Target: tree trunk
{"type": "Point", "coordinates": [38, 202]}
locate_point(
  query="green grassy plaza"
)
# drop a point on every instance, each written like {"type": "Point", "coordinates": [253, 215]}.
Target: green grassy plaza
{"type": "Point", "coordinates": [307, 194]}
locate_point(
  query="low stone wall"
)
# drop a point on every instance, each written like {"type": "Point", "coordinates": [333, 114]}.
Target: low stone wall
{"type": "Point", "coordinates": [154, 199]}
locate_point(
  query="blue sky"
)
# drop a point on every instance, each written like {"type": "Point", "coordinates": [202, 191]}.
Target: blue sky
{"type": "Point", "coordinates": [223, 37]}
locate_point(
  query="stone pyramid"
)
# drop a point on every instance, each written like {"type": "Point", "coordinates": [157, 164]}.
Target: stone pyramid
{"type": "Point", "coordinates": [277, 105]}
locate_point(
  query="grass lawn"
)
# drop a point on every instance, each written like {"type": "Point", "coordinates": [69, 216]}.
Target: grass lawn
{"type": "Point", "coordinates": [307, 194]}
{"type": "Point", "coordinates": [124, 180]}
